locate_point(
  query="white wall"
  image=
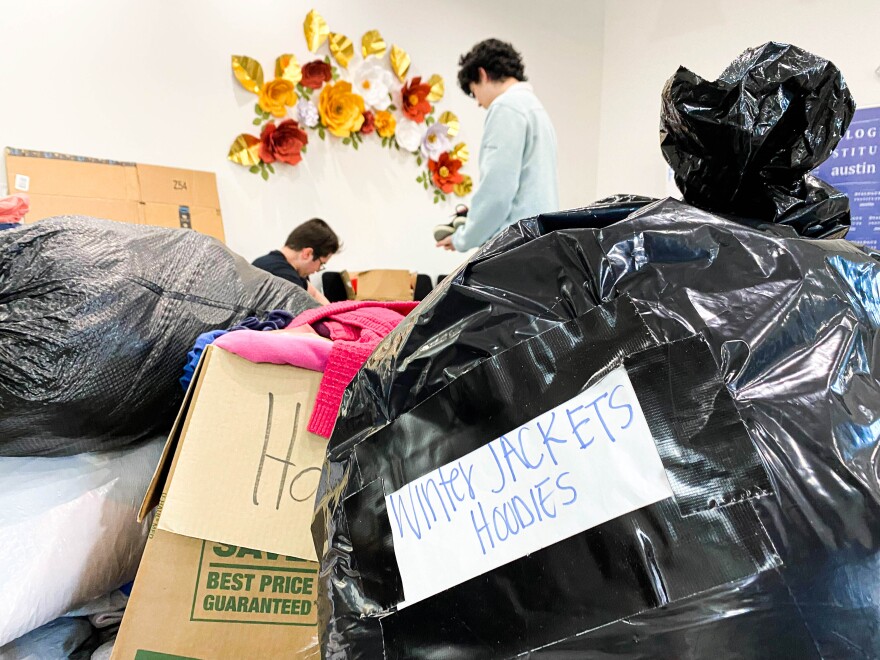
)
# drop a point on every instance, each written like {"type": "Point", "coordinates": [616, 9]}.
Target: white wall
{"type": "Point", "coordinates": [647, 40]}
{"type": "Point", "coordinates": [151, 82]}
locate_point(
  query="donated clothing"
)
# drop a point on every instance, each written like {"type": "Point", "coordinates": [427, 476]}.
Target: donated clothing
{"type": "Point", "coordinates": [356, 328]}
{"type": "Point", "coordinates": [277, 319]}
{"type": "Point", "coordinates": [193, 357]}
{"type": "Point", "coordinates": [294, 347]}
{"type": "Point", "coordinates": [517, 167]}
{"type": "Point", "coordinates": [275, 263]}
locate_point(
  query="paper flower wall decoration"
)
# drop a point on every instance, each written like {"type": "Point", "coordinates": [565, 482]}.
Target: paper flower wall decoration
{"type": "Point", "coordinates": [359, 92]}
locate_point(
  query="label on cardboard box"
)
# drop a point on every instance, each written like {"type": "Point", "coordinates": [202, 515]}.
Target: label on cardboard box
{"type": "Point", "coordinates": [248, 470]}
{"type": "Point", "coordinates": [240, 585]}
{"type": "Point", "coordinates": [22, 182]}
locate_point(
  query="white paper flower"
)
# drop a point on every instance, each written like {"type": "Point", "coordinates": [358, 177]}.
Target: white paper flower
{"type": "Point", "coordinates": [435, 142]}
{"type": "Point", "coordinates": [306, 113]}
{"type": "Point", "coordinates": [374, 83]}
{"type": "Point", "coordinates": [409, 134]}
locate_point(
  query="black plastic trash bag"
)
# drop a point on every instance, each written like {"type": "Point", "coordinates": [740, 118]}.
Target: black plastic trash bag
{"type": "Point", "coordinates": [746, 143]}
{"type": "Point", "coordinates": [96, 318]}
{"type": "Point", "coordinates": [755, 354]}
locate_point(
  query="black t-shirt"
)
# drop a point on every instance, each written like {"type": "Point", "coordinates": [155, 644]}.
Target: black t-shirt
{"type": "Point", "coordinates": [275, 263]}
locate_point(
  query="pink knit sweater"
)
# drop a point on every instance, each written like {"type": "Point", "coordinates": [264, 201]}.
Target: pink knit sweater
{"type": "Point", "coordinates": [356, 328]}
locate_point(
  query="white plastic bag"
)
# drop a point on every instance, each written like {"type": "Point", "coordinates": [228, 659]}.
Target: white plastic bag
{"type": "Point", "coordinates": [69, 531]}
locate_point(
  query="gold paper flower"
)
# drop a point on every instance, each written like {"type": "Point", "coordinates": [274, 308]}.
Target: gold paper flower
{"type": "Point", "coordinates": [464, 187]}
{"type": "Point", "coordinates": [385, 124]}
{"type": "Point", "coordinates": [277, 94]}
{"type": "Point", "coordinates": [342, 111]}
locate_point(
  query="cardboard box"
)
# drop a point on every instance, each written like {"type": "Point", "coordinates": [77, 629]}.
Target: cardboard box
{"type": "Point", "coordinates": [170, 185]}
{"type": "Point", "coordinates": [48, 206]}
{"type": "Point", "coordinates": [384, 285]}
{"type": "Point", "coordinates": [47, 173]}
{"type": "Point", "coordinates": [229, 570]}
{"type": "Point", "coordinates": [60, 184]}
{"type": "Point", "coordinates": [201, 219]}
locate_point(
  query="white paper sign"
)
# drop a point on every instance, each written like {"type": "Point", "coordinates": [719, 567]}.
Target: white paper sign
{"type": "Point", "coordinates": [576, 466]}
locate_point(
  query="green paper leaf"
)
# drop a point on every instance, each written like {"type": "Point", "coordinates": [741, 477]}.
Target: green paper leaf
{"type": "Point", "coordinates": [327, 59]}
{"type": "Point", "coordinates": [258, 109]}
{"type": "Point", "coordinates": [257, 121]}
{"type": "Point", "coordinates": [392, 107]}
{"type": "Point", "coordinates": [355, 145]}
{"type": "Point", "coordinates": [303, 150]}
{"type": "Point", "coordinates": [265, 175]}
{"type": "Point", "coordinates": [254, 169]}
{"type": "Point", "coordinates": [436, 201]}
{"type": "Point", "coordinates": [271, 169]}
{"type": "Point", "coordinates": [426, 185]}
{"type": "Point", "coordinates": [418, 160]}
{"type": "Point", "coordinates": [321, 132]}
{"type": "Point", "coordinates": [346, 140]}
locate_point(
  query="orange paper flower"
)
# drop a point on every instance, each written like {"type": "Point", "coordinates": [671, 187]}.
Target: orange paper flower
{"type": "Point", "coordinates": [342, 111]}
{"type": "Point", "coordinates": [444, 172]}
{"type": "Point", "coordinates": [415, 100]}
{"type": "Point", "coordinates": [385, 124]}
{"type": "Point", "coordinates": [276, 95]}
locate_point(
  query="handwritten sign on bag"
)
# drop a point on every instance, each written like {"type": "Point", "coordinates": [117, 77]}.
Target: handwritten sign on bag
{"type": "Point", "coordinates": [586, 461]}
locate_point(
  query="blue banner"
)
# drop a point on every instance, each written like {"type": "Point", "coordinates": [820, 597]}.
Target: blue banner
{"type": "Point", "coordinates": [854, 168]}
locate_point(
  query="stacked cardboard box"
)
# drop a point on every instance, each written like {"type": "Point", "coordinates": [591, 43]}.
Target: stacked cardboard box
{"type": "Point", "coordinates": [59, 184]}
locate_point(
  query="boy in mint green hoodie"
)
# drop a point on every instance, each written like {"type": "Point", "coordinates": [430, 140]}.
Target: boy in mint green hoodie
{"type": "Point", "coordinates": [518, 150]}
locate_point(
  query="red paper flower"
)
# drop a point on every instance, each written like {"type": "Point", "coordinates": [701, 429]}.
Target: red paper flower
{"type": "Point", "coordinates": [369, 124]}
{"type": "Point", "coordinates": [315, 74]}
{"type": "Point", "coordinates": [444, 172]}
{"type": "Point", "coordinates": [283, 142]}
{"type": "Point", "coordinates": [415, 100]}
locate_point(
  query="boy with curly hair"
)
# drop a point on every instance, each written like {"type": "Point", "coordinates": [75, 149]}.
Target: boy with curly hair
{"type": "Point", "coordinates": [518, 150]}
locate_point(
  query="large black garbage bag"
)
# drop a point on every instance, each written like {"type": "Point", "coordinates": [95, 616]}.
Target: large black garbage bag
{"type": "Point", "coordinates": [96, 318]}
{"type": "Point", "coordinates": [745, 143]}
{"type": "Point", "coordinates": [756, 357]}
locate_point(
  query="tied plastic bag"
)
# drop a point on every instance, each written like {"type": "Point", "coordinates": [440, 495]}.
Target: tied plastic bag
{"type": "Point", "coordinates": [69, 532]}
{"type": "Point", "coordinates": [745, 143]}
{"type": "Point", "coordinates": [792, 326]}
{"type": "Point", "coordinates": [757, 351]}
{"type": "Point", "coordinates": [95, 320]}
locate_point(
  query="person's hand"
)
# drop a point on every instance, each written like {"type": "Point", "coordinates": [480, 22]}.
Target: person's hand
{"type": "Point", "coordinates": [446, 243]}
{"type": "Point", "coordinates": [317, 295]}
